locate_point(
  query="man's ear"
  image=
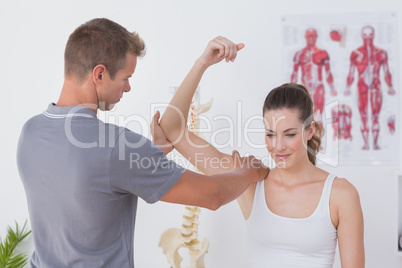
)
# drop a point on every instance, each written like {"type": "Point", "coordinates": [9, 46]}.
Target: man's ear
{"type": "Point", "coordinates": [98, 73]}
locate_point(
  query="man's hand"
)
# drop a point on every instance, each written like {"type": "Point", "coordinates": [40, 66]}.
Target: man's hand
{"type": "Point", "coordinates": [252, 165]}
{"type": "Point", "coordinates": [159, 137]}
{"type": "Point", "coordinates": [218, 49]}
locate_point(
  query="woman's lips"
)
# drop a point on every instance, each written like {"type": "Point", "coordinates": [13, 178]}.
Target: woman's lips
{"type": "Point", "coordinates": [282, 156]}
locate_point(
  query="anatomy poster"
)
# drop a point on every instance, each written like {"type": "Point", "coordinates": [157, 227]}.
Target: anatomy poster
{"type": "Point", "coordinates": [348, 62]}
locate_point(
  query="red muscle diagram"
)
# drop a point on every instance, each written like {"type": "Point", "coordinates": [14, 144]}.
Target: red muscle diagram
{"type": "Point", "coordinates": [342, 122]}
{"type": "Point", "coordinates": [349, 64]}
{"type": "Point", "coordinates": [368, 60]}
{"type": "Point", "coordinates": [391, 124]}
{"type": "Point", "coordinates": [312, 60]}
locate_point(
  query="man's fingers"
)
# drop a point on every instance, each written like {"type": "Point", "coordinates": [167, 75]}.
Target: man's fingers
{"type": "Point", "coordinates": [155, 120]}
{"type": "Point", "coordinates": [262, 170]}
{"type": "Point", "coordinates": [266, 171]}
{"type": "Point", "coordinates": [236, 158]}
{"type": "Point", "coordinates": [235, 153]}
{"type": "Point", "coordinates": [255, 162]}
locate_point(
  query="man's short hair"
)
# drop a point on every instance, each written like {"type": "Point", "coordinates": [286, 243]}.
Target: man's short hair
{"type": "Point", "coordinates": [100, 41]}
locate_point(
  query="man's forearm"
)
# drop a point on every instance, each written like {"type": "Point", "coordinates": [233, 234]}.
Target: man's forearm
{"type": "Point", "coordinates": [165, 148]}
{"type": "Point", "coordinates": [230, 186]}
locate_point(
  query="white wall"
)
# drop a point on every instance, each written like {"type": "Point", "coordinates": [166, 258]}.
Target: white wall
{"type": "Point", "coordinates": [33, 36]}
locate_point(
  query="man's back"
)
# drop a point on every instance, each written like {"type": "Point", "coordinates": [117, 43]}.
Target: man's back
{"type": "Point", "coordinates": [82, 195]}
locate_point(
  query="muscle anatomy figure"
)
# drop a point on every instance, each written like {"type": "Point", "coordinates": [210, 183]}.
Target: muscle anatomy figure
{"type": "Point", "coordinates": [342, 124]}
{"type": "Point", "coordinates": [368, 60]}
{"type": "Point", "coordinates": [311, 61]}
{"type": "Point", "coordinates": [391, 124]}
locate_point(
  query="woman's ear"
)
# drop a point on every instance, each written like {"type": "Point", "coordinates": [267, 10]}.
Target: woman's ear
{"type": "Point", "coordinates": [311, 130]}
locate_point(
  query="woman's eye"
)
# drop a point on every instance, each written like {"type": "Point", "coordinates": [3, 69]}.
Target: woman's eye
{"type": "Point", "coordinates": [291, 135]}
{"type": "Point", "coordinates": [270, 135]}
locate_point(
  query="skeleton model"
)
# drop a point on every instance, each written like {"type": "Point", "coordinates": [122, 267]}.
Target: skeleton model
{"type": "Point", "coordinates": [187, 237]}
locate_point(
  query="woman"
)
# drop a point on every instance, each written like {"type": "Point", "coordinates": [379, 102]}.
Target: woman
{"type": "Point", "coordinates": [295, 216]}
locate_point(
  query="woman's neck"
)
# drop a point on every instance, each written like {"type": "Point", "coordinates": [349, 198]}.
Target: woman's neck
{"type": "Point", "coordinates": [302, 172]}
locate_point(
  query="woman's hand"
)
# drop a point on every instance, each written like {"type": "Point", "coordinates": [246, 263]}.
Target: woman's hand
{"type": "Point", "coordinates": [218, 49]}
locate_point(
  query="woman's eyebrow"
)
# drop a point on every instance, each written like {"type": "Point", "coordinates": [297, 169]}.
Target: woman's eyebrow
{"type": "Point", "coordinates": [289, 129]}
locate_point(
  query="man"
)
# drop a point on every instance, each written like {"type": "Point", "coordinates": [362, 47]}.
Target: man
{"type": "Point", "coordinates": [83, 177]}
{"type": "Point", "coordinates": [312, 60]}
{"type": "Point", "coordinates": [368, 60]}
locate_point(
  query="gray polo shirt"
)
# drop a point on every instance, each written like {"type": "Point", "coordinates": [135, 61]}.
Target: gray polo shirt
{"type": "Point", "coordinates": [82, 180]}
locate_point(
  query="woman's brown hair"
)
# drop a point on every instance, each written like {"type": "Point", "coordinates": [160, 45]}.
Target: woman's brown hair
{"type": "Point", "coordinates": [296, 96]}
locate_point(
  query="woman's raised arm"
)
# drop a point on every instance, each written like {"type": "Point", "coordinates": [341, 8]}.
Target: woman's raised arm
{"type": "Point", "coordinates": [196, 150]}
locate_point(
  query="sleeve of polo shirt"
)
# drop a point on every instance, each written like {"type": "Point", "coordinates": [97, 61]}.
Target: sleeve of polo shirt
{"type": "Point", "coordinates": [137, 166]}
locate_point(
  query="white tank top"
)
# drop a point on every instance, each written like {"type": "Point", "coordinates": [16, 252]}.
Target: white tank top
{"type": "Point", "coordinates": [281, 242]}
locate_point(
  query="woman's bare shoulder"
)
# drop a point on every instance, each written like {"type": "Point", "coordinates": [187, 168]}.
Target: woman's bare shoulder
{"type": "Point", "coordinates": [344, 192]}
